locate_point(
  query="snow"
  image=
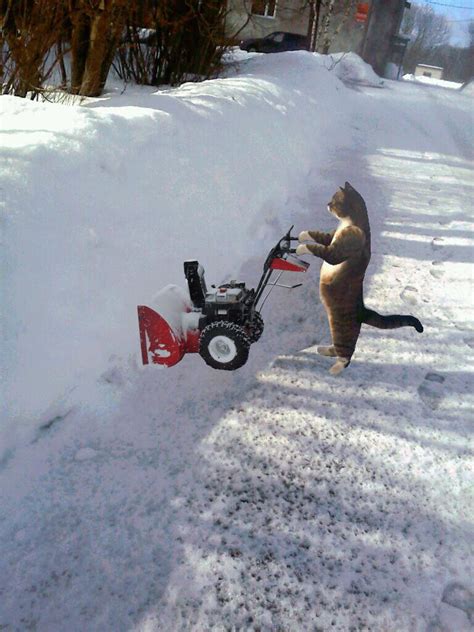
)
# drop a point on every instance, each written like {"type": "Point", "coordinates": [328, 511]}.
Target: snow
{"type": "Point", "coordinates": [276, 497]}
{"type": "Point", "coordinates": [350, 68]}
{"type": "Point", "coordinates": [430, 81]}
{"type": "Point", "coordinates": [172, 302]}
{"type": "Point", "coordinates": [468, 88]}
{"type": "Point", "coordinates": [169, 186]}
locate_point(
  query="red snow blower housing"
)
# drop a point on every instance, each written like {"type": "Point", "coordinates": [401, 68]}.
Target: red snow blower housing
{"type": "Point", "coordinates": [218, 323]}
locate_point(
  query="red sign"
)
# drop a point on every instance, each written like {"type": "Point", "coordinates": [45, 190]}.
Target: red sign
{"type": "Point", "coordinates": [362, 12]}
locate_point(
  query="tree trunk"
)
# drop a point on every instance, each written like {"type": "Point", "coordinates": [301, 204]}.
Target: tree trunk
{"type": "Point", "coordinates": [91, 84]}
{"type": "Point", "coordinates": [327, 22]}
{"type": "Point", "coordinates": [313, 24]}
{"type": "Point", "coordinates": [79, 48]}
{"type": "Point", "coordinates": [97, 29]}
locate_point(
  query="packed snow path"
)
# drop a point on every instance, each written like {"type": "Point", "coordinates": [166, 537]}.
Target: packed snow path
{"type": "Point", "coordinates": [279, 497]}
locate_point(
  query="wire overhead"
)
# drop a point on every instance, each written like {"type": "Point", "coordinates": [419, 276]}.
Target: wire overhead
{"type": "Point", "coordinates": [451, 6]}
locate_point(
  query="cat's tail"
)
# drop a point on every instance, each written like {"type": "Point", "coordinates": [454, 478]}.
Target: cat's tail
{"type": "Point", "coordinates": [394, 321]}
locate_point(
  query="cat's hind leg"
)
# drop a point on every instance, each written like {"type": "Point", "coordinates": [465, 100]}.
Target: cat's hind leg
{"type": "Point", "coordinates": [345, 331]}
{"type": "Point", "coordinates": [339, 365]}
{"type": "Point", "coordinates": [329, 352]}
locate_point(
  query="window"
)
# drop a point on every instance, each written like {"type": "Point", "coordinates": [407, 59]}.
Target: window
{"type": "Point", "coordinates": [276, 37]}
{"type": "Point", "coordinates": [426, 74]}
{"type": "Point", "coordinates": [266, 8]}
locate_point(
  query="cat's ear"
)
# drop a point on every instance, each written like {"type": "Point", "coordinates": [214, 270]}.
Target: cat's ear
{"type": "Point", "coordinates": [348, 186]}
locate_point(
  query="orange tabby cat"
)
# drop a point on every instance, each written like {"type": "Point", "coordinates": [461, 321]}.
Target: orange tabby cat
{"type": "Point", "coordinates": [346, 255]}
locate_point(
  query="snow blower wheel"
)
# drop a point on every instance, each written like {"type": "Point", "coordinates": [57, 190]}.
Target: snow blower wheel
{"type": "Point", "coordinates": [224, 345]}
{"type": "Point", "coordinates": [255, 328]}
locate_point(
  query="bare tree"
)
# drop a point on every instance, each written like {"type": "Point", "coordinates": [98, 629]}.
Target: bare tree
{"type": "Point", "coordinates": [184, 38]}
{"type": "Point", "coordinates": [96, 29]}
{"type": "Point", "coordinates": [428, 31]}
{"type": "Point", "coordinates": [326, 20]}
{"type": "Point", "coordinates": [30, 29]}
{"type": "Point", "coordinates": [315, 8]}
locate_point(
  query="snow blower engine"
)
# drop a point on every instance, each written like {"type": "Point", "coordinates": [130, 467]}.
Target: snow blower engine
{"type": "Point", "coordinates": [218, 323]}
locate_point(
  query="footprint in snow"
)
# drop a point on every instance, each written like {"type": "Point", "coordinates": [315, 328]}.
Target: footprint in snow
{"type": "Point", "coordinates": [437, 270]}
{"type": "Point", "coordinates": [459, 596]}
{"type": "Point", "coordinates": [437, 243]}
{"type": "Point", "coordinates": [463, 326]}
{"type": "Point", "coordinates": [469, 342]}
{"type": "Point", "coordinates": [408, 295]}
{"type": "Point", "coordinates": [113, 376]}
{"type": "Point", "coordinates": [431, 390]}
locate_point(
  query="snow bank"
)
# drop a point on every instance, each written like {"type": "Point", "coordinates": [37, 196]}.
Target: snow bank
{"type": "Point", "coordinates": [275, 497]}
{"type": "Point", "coordinates": [350, 68]}
{"type": "Point", "coordinates": [104, 201]}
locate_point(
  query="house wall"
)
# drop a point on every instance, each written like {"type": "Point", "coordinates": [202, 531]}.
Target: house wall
{"type": "Point", "coordinates": [423, 70]}
{"type": "Point", "coordinates": [345, 34]}
{"type": "Point", "coordinates": [375, 41]}
{"type": "Point", "coordinates": [291, 16]}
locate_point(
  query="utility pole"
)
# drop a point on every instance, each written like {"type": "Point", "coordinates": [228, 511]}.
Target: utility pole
{"type": "Point", "coordinates": [383, 25]}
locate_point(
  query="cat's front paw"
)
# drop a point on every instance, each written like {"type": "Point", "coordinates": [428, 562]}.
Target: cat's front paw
{"type": "Point", "coordinates": [304, 236]}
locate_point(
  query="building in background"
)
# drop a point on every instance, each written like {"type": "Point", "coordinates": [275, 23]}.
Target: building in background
{"type": "Point", "coordinates": [370, 29]}
{"type": "Point", "coordinates": [423, 70]}
{"type": "Point", "coordinates": [258, 18]}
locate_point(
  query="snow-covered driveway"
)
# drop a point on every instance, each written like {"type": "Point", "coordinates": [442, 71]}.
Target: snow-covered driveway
{"type": "Point", "coordinates": [279, 497]}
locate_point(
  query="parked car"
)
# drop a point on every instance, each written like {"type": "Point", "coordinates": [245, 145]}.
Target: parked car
{"type": "Point", "coordinates": [275, 43]}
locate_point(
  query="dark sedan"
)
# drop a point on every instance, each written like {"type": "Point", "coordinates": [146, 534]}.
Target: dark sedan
{"type": "Point", "coordinates": [275, 43]}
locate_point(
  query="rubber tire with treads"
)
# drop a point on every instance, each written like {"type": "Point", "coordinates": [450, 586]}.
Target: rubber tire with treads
{"type": "Point", "coordinates": [224, 345]}
{"type": "Point", "coordinates": [256, 329]}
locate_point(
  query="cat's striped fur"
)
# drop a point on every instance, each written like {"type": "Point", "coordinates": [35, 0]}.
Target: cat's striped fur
{"type": "Point", "coordinates": [346, 255]}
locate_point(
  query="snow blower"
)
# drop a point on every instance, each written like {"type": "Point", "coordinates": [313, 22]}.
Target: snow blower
{"type": "Point", "coordinates": [219, 323]}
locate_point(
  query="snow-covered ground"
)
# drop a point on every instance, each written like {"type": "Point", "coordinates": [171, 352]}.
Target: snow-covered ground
{"type": "Point", "coordinates": [276, 497]}
{"type": "Point", "coordinates": [430, 81]}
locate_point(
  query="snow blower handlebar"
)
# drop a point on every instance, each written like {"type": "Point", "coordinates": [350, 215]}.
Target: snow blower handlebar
{"type": "Point", "coordinates": [282, 247]}
{"type": "Point", "coordinates": [279, 258]}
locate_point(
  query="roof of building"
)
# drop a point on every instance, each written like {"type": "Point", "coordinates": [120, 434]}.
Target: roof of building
{"type": "Point", "coordinates": [428, 66]}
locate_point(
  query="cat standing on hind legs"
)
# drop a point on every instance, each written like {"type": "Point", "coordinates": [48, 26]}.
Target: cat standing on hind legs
{"type": "Point", "coordinates": [346, 255]}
